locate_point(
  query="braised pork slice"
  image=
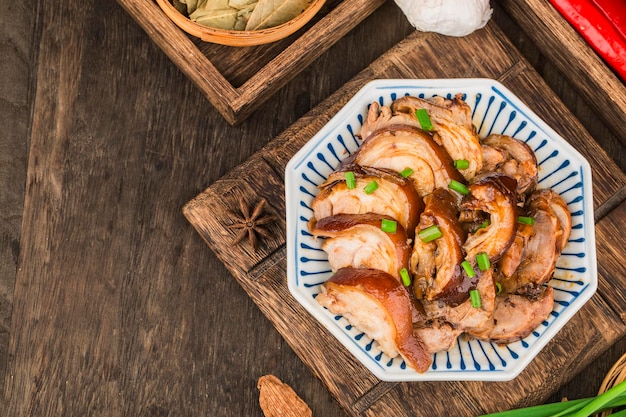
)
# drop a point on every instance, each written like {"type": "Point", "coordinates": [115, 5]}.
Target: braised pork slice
{"type": "Point", "coordinates": [515, 317]}
{"type": "Point", "coordinates": [464, 315]}
{"type": "Point", "coordinates": [452, 123]}
{"type": "Point", "coordinates": [517, 160]}
{"type": "Point", "coordinates": [401, 147]}
{"type": "Point", "coordinates": [394, 196]}
{"type": "Point", "coordinates": [378, 305]}
{"type": "Point", "coordinates": [358, 241]}
{"type": "Point", "coordinates": [493, 194]}
{"type": "Point", "coordinates": [435, 264]}
{"type": "Point", "coordinates": [550, 231]}
{"type": "Point", "coordinates": [379, 117]}
{"type": "Point", "coordinates": [438, 335]}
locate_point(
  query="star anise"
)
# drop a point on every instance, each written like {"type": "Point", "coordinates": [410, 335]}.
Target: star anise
{"type": "Point", "coordinates": [251, 224]}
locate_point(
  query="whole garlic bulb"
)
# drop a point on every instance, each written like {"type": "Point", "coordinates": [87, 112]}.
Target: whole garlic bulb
{"type": "Point", "coordinates": [448, 17]}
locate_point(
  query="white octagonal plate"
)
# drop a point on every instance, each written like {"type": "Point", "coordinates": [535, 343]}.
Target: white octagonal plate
{"type": "Point", "coordinates": [494, 110]}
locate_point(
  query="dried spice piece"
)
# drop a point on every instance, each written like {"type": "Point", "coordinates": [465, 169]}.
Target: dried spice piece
{"type": "Point", "coordinates": [278, 399]}
{"type": "Point", "coordinates": [250, 223]}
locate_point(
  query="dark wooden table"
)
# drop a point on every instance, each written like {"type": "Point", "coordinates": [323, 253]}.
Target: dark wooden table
{"type": "Point", "coordinates": [110, 303]}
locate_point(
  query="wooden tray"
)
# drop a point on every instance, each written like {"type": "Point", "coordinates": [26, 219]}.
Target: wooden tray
{"type": "Point", "coordinates": [238, 80]}
{"type": "Point", "coordinates": [262, 272]}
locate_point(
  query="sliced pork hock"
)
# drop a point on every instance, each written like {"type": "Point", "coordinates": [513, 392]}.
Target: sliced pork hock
{"type": "Point", "coordinates": [493, 194]}
{"type": "Point", "coordinates": [464, 315]}
{"type": "Point", "coordinates": [550, 231]}
{"type": "Point", "coordinates": [518, 160]}
{"type": "Point", "coordinates": [435, 264]}
{"type": "Point", "coordinates": [395, 196]}
{"type": "Point", "coordinates": [452, 123]}
{"type": "Point", "coordinates": [399, 147]}
{"type": "Point", "coordinates": [515, 317]}
{"type": "Point", "coordinates": [358, 241]}
{"type": "Point", "coordinates": [378, 305]}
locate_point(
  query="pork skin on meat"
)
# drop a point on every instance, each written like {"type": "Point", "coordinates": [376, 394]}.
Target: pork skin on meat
{"type": "Point", "coordinates": [357, 240]}
{"type": "Point", "coordinates": [399, 146]}
{"type": "Point", "coordinates": [378, 305]}
{"type": "Point", "coordinates": [395, 196]}
{"type": "Point", "coordinates": [435, 264]}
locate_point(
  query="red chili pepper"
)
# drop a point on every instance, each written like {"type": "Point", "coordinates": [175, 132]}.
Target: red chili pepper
{"type": "Point", "coordinates": [602, 27]}
{"type": "Point", "coordinates": [615, 12]}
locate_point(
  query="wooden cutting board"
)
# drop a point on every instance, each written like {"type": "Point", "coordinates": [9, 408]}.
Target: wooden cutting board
{"type": "Point", "coordinates": [262, 272]}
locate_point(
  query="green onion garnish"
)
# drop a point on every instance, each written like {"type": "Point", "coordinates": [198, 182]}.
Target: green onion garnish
{"type": "Point", "coordinates": [461, 164]}
{"type": "Point", "coordinates": [498, 288]}
{"type": "Point", "coordinates": [482, 259]}
{"type": "Point", "coordinates": [475, 298]}
{"type": "Point", "coordinates": [371, 187]}
{"type": "Point", "coordinates": [406, 278]}
{"type": "Point", "coordinates": [526, 220]}
{"type": "Point", "coordinates": [484, 224]}
{"type": "Point", "coordinates": [350, 180]}
{"type": "Point", "coordinates": [388, 226]}
{"type": "Point", "coordinates": [469, 270]}
{"type": "Point", "coordinates": [406, 172]}
{"type": "Point", "coordinates": [458, 187]}
{"type": "Point", "coordinates": [424, 119]}
{"type": "Point", "coordinates": [430, 233]}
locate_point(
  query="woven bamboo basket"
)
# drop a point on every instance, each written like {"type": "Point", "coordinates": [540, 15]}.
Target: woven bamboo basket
{"type": "Point", "coordinates": [240, 37]}
{"type": "Point", "coordinates": [615, 375]}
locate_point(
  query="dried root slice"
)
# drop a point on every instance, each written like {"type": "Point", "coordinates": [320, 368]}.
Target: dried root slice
{"type": "Point", "coordinates": [278, 399]}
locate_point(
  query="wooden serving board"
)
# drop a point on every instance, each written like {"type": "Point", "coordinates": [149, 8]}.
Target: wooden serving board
{"type": "Point", "coordinates": [237, 80]}
{"type": "Point", "coordinates": [262, 272]}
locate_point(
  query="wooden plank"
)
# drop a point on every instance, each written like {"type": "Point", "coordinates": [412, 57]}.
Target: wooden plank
{"type": "Point", "coordinates": [577, 62]}
{"type": "Point", "coordinates": [419, 56]}
{"type": "Point", "coordinates": [237, 103]}
{"type": "Point", "coordinates": [611, 244]}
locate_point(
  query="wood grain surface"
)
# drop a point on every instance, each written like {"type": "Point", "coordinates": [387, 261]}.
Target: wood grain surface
{"type": "Point", "coordinates": [117, 307]}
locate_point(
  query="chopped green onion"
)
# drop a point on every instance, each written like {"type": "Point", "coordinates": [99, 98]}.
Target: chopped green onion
{"type": "Point", "coordinates": [458, 187]}
{"type": "Point", "coordinates": [371, 187]}
{"type": "Point", "coordinates": [526, 220]}
{"type": "Point", "coordinates": [484, 224]}
{"type": "Point", "coordinates": [406, 172]}
{"type": "Point", "coordinates": [388, 226]}
{"type": "Point", "coordinates": [475, 298]}
{"type": "Point", "coordinates": [461, 164]}
{"type": "Point", "coordinates": [350, 180]}
{"type": "Point", "coordinates": [430, 233]}
{"type": "Point", "coordinates": [406, 278]}
{"type": "Point", "coordinates": [469, 270]}
{"type": "Point", "coordinates": [498, 288]}
{"type": "Point", "coordinates": [424, 119]}
{"type": "Point", "coordinates": [482, 259]}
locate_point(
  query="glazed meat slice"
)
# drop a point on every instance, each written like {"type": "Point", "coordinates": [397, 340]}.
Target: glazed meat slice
{"type": "Point", "coordinates": [438, 335]}
{"type": "Point", "coordinates": [395, 196]}
{"type": "Point", "coordinates": [465, 316]}
{"type": "Point", "coordinates": [516, 160]}
{"type": "Point", "coordinates": [493, 194]}
{"type": "Point", "coordinates": [435, 264]}
{"type": "Point", "coordinates": [512, 257]}
{"type": "Point", "coordinates": [452, 122]}
{"type": "Point", "coordinates": [378, 305]}
{"type": "Point", "coordinates": [515, 317]}
{"type": "Point", "coordinates": [379, 117]}
{"type": "Point", "coordinates": [357, 240]}
{"type": "Point", "coordinates": [550, 232]}
{"type": "Point", "coordinates": [401, 147]}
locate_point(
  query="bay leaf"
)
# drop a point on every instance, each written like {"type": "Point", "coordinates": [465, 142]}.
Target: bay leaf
{"type": "Point", "coordinates": [220, 19]}
{"type": "Point", "coordinates": [242, 4]}
{"type": "Point", "coordinates": [270, 13]}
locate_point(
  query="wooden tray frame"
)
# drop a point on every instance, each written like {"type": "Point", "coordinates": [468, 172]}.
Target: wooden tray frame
{"type": "Point", "coordinates": [237, 103]}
